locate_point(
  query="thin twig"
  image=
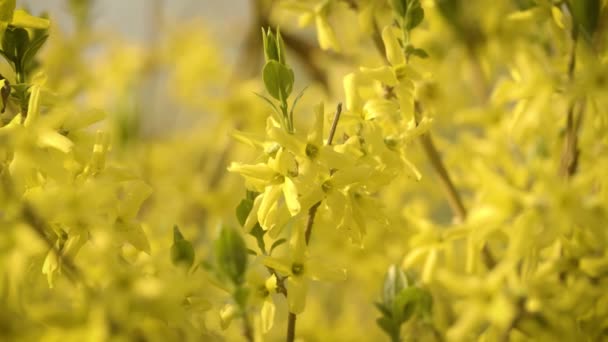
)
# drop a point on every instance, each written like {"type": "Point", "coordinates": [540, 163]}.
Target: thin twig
{"type": "Point", "coordinates": [454, 200]}
{"type": "Point", "coordinates": [247, 329]}
{"type": "Point", "coordinates": [570, 152]}
{"type": "Point", "coordinates": [291, 327]}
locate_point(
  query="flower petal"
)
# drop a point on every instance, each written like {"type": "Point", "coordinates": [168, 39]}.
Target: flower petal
{"type": "Point", "coordinates": [319, 270]}
{"type": "Point", "coordinates": [297, 287]}
{"type": "Point", "coordinates": [291, 196]}
{"type": "Point", "coordinates": [267, 313]}
{"type": "Point", "coordinates": [279, 265]}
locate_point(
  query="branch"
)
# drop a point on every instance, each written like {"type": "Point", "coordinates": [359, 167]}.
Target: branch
{"type": "Point", "coordinates": [570, 152]}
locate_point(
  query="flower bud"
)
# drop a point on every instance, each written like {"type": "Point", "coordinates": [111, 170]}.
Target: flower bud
{"type": "Point", "coordinates": [182, 252]}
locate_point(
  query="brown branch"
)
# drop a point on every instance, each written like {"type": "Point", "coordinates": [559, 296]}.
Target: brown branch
{"type": "Point", "coordinates": [570, 152]}
{"type": "Point", "coordinates": [453, 197]}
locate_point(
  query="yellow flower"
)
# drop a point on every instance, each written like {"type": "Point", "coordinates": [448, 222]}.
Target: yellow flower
{"type": "Point", "coordinates": [299, 269]}
{"type": "Point", "coordinates": [262, 291]}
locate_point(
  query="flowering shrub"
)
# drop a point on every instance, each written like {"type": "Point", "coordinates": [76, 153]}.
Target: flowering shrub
{"type": "Point", "coordinates": [426, 170]}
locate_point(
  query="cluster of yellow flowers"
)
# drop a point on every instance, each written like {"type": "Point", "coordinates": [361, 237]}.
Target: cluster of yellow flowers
{"type": "Point", "coordinates": [456, 192]}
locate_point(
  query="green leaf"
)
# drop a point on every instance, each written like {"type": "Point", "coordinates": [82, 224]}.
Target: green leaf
{"type": "Point", "coordinates": [400, 7]}
{"type": "Point", "coordinates": [276, 244]}
{"type": "Point", "coordinates": [182, 252]}
{"type": "Point", "coordinates": [586, 15]}
{"type": "Point", "coordinates": [278, 80]}
{"type": "Point", "coordinates": [411, 50]}
{"type": "Point", "coordinates": [22, 41]}
{"type": "Point", "coordinates": [384, 310]}
{"type": "Point", "coordinates": [32, 50]}
{"type": "Point", "coordinates": [412, 301]}
{"type": "Point", "coordinates": [231, 254]}
{"type": "Point", "coordinates": [9, 59]}
{"type": "Point", "coordinates": [295, 101]}
{"type": "Point", "coordinates": [243, 210]}
{"type": "Point", "coordinates": [258, 232]}
{"type": "Point", "coordinates": [240, 295]}
{"type": "Point", "coordinates": [414, 17]}
{"type": "Point", "coordinates": [276, 110]}
{"type": "Point", "coordinates": [8, 44]}
{"type": "Point", "coordinates": [389, 327]}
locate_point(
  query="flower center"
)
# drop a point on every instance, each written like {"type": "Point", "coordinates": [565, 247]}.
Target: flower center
{"type": "Point", "coordinates": [297, 268]}
{"type": "Point", "coordinates": [311, 151]}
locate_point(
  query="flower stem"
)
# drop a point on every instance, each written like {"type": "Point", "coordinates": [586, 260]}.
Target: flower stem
{"type": "Point", "coordinates": [291, 327]}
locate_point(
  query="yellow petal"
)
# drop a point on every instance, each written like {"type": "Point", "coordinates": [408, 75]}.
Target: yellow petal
{"type": "Point", "coordinates": [259, 171]}
{"type": "Point", "coordinates": [271, 196]}
{"type": "Point", "coordinates": [291, 196]}
{"type": "Point", "coordinates": [252, 218]}
{"type": "Point", "coordinates": [55, 140]}
{"type": "Point", "coordinates": [297, 287]}
{"type": "Point", "coordinates": [383, 74]}
{"type": "Point", "coordinates": [394, 54]}
{"type": "Point", "coordinates": [316, 135]}
{"type": "Point", "coordinates": [278, 265]}
{"type": "Point", "coordinates": [319, 270]}
{"type": "Point", "coordinates": [267, 313]}
{"type": "Point", "coordinates": [23, 19]}
{"type": "Point", "coordinates": [325, 34]}
{"type": "Point", "coordinates": [429, 266]}
{"type": "Point", "coordinates": [351, 92]}
{"type": "Point", "coordinates": [33, 107]}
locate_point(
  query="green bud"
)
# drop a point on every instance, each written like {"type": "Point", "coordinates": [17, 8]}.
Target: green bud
{"type": "Point", "coordinates": [274, 47]}
{"type": "Point", "coordinates": [231, 255]}
{"type": "Point", "coordinates": [182, 252]}
{"type": "Point", "coordinates": [395, 281]}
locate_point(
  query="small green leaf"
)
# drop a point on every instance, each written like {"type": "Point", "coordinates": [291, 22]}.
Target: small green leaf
{"type": "Point", "coordinates": [411, 50]}
{"type": "Point", "coordinates": [182, 252]}
{"type": "Point", "coordinates": [414, 17]}
{"type": "Point", "coordinates": [278, 80]}
{"type": "Point", "coordinates": [383, 309]}
{"type": "Point", "coordinates": [412, 301]}
{"type": "Point", "coordinates": [295, 101]}
{"type": "Point", "coordinates": [132, 233]}
{"type": "Point", "coordinates": [389, 327]}
{"type": "Point", "coordinates": [586, 15]}
{"type": "Point", "coordinates": [32, 50]}
{"type": "Point", "coordinates": [240, 295]}
{"type": "Point", "coordinates": [400, 7]}
{"type": "Point", "coordinates": [21, 41]}
{"type": "Point", "coordinates": [231, 254]}
{"type": "Point", "coordinates": [258, 232]}
{"type": "Point", "coordinates": [243, 210]}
